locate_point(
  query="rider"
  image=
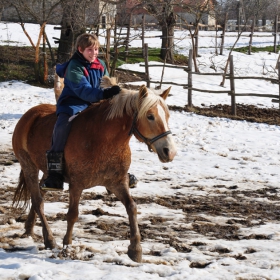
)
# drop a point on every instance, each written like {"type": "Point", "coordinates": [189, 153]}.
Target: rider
{"type": "Point", "coordinates": [82, 75]}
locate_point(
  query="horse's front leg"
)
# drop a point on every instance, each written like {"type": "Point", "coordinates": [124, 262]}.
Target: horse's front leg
{"type": "Point", "coordinates": [134, 249]}
{"type": "Point", "coordinates": [73, 212]}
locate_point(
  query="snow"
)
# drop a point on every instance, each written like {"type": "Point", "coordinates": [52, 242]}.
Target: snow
{"type": "Point", "coordinates": [211, 152]}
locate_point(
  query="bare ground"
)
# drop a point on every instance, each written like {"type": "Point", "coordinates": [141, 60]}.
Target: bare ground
{"type": "Point", "coordinates": [237, 208]}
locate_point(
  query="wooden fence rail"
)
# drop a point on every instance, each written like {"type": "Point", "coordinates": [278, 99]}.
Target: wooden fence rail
{"type": "Point", "coordinates": [230, 76]}
{"type": "Point", "coordinates": [189, 85]}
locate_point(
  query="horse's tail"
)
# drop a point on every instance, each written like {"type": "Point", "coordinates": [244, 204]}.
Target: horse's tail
{"type": "Point", "coordinates": [22, 193]}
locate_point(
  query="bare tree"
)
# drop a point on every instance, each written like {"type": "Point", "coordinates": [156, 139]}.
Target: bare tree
{"type": "Point", "coordinates": [76, 17]}
{"type": "Point", "coordinates": [166, 13]}
{"type": "Point", "coordinates": [72, 25]}
{"type": "Point", "coordinates": [40, 13]}
{"type": "Point", "coordinates": [163, 11]}
{"type": "Point", "coordinates": [250, 10]}
{"type": "Point", "coordinates": [80, 16]}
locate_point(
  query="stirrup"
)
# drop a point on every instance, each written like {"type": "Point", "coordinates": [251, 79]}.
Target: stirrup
{"type": "Point", "coordinates": [45, 188]}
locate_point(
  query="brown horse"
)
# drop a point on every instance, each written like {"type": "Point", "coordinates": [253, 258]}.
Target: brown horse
{"type": "Point", "coordinates": [97, 153]}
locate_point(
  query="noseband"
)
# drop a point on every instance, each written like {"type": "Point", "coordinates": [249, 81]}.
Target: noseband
{"type": "Point", "coordinates": [147, 141]}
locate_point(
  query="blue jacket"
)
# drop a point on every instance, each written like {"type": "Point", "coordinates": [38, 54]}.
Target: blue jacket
{"type": "Point", "coordinates": [81, 84]}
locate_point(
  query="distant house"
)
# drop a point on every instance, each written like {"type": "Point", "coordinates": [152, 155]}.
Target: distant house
{"type": "Point", "coordinates": [101, 12]}
{"type": "Point", "coordinates": [136, 12]}
{"type": "Point", "coordinates": [232, 25]}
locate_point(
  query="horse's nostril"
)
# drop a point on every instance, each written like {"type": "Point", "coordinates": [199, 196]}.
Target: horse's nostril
{"type": "Point", "coordinates": [166, 151]}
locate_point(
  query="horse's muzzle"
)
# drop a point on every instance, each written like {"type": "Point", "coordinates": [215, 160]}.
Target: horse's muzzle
{"type": "Point", "coordinates": [166, 154]}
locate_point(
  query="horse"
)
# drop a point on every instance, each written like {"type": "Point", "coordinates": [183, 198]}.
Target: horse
{"type": "Point", "coordinates": [97, 152]}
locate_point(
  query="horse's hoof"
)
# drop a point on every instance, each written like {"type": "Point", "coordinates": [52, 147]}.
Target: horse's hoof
{"type": "Point", "coordinates": [67, 240]}
{"type": "Point", "coordinates": [27, 234]}
{"type": "Point", "coordinates": [50, 244]}
{"type": "Point", "coordinates": [135, 254]}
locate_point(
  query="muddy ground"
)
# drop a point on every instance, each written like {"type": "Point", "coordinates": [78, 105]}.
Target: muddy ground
{"type": "Point", "coordinates": [238, 208]}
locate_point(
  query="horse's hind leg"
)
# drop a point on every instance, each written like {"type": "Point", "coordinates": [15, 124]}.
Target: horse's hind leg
{"type": "Point", "coordinates": [31, 182]}
{"type": "Point", "coordinates": [73, 212]}
{"type": "Point", "coordinates": [30, 222]}
{"type": "Point", "coordinates": [31, 218]}
{"type": "Point", "coordinates": [38, 206]}
{"type": "Point", "coordinates": [134, 249]}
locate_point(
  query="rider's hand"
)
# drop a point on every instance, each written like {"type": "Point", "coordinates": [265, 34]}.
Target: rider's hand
{"type": "Point", "coordinates": [110, 92]}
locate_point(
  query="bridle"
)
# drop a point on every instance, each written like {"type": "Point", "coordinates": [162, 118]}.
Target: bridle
{"type": "Point", "coordinates": [147, 141]}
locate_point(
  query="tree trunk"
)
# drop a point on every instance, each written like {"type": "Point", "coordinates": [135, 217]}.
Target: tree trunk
{"type": "Point", "coordinates": [167, 43]}
{"type": "Point", "coordinates": [164, 13]}
{"type": "Point", "coordinates": [264, 20]}
{"type": "Point", "coordinates": [71, 27]}
{"type": "Point", "coordinates": [167, 21]}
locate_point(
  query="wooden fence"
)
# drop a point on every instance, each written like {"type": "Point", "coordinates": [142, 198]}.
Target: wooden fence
{"type": "Point", "coordinates": [232, 92]}
{"type": "Point", "coordinates": [123, 37]}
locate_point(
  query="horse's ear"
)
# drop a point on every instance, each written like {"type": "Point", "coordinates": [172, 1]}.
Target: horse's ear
{"type": "Point", "coordinates": [143, 92]}
{"type": "Point", "coordinates": [165, 93]}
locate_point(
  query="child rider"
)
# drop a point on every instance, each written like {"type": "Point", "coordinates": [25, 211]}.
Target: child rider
{"type": "Point", "coordinates": [82, 75]}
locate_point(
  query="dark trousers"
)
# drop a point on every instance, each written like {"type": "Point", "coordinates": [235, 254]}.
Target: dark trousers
{"type": "Point", "coordinates": [60, 133]}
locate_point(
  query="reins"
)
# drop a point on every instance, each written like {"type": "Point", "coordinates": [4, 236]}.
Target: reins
{"type": "Point", "coordinates": [147, 141]}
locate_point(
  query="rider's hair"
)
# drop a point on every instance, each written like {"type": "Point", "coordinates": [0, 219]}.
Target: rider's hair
{"type": "Point", "coordinates": [86, 40]}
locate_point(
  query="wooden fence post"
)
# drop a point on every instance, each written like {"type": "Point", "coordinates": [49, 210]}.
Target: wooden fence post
{"type": "Point", "coordinates": [275, 34]}
{"type": "Point", "coordinates": [107, 55]}
{"type": "Point", "coordinates": [127, 38]}
{"type": "Point", "coordinates": [232, 86]}
{"type": "Point", "coordinates": [279, 82]}
{"type": "Point", "coordinates": [115, 35]}
{"type": "Point", "coordinates": [196, 42]}
{"type": "Point", "coordinates": [216, 38]}
{"type": "Point", "coordinates": [190, 78]}
{"type": "Point", "coordinates": [223, 35]}
{"type": "Point", "coordinates": [251, 36]}
{"type": "Point", "coordinates": [146, 57]}
{"type": "Point", "coordinates": [277, 63]}
{"type": "Point", "coordinates": [238, 16]}
{"type": "Point", "coordinates": [143, 34]}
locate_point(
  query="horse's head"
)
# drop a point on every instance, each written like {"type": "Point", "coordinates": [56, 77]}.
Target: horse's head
{"type": "Point", "coordinates": [151, 124]}
{"type": "Point", "coordinates": [151, 114]}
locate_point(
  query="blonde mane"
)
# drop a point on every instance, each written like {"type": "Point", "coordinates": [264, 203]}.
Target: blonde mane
{"type": "Point", "coordinates": [127, 101]}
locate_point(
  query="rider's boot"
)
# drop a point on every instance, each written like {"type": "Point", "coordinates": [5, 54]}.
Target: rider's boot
{"type": "Point", "coordinates": [54, 181]}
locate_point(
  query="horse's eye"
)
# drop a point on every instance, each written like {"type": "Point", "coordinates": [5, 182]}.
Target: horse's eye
{"type": "Point", "coordinates": [151, 117]}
